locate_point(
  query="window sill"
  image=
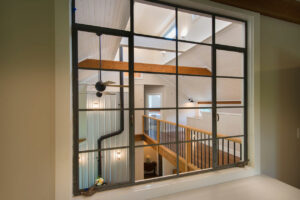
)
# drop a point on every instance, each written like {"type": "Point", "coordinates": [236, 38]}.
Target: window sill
{"type": "Point", "coordinates": [157, 189]}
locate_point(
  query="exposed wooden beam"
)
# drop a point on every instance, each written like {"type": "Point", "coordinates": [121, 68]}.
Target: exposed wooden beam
{"type": "Point", "coordinates": [220, 102]}
{"type": "Point", "coordinates": [142, 67]}
{"type": "Point", "coordinates": [288, 10]}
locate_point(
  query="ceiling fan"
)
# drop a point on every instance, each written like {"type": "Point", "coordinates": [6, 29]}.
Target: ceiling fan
{"type": "Point", "coordinates": [100, 85]}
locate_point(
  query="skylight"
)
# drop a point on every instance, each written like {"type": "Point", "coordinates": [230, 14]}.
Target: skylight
{"type": "Point", "coordinates": [171, 33]}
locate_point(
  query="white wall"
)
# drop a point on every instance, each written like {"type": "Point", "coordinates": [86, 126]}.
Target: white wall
{"type": "Point", "coordinates": [27, 100]}
{"type": "Point", "coordinates": [280, 97]}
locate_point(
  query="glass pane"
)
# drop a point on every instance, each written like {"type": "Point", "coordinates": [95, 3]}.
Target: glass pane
{"type": "Point", "coordinates": [90, 51]}
{"type": "Point", "coordinates": [194, 91]}
{"type": "Point", "coordinates": [230, 63]}
{"type": "Point", "coordinates": [230, 123]}
{"type": "Point", "coordinates": [229, 92]}
{"type": "Point", "coordinates": [230, 150]}
{"type": "Point", "coordinates": [114, 168]}
{"type": "Point", "coordinates": [194, 26]}
{"type": "Point", "coordinates": [194, 59]}
{"type": "Point", "coordinates": [154, 19]}
{"type": "Point", "coordinates": [154, 161]}
{"type": "Point", "coordinates": [93, 125]}
{"type": "Point", "coordinates": [114, 95]}
{"type": "Point", "coordinates": [154, 55]}
{"type": "Point", "coordinates": [105, 13]}
{"type": "Point", "coordinates": [154, 90]}
{"type": "Point", "coordinates": [194, 123]}
{"type": "Point", "coordinates": [196, 155]}
{"type": "Point", "coordinates": [155, 126]}
{"type": "Point", "coordinates": [230, 32]}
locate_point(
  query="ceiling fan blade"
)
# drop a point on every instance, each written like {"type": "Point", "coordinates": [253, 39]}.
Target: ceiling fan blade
{"type": "Point", "coordinates": [109, 93]}
{"type": "Point", "coordinates": [82, 140]}
{"type": "Point", "coordinates": [108, 82]}
{"type": "Point", "coordinates": [117, 85]}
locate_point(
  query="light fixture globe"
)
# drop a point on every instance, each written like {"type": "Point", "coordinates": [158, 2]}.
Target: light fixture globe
{"type": "Point", "coordinates": [99, 94]}
{"type": "Point", "coordinates": [100, 86]}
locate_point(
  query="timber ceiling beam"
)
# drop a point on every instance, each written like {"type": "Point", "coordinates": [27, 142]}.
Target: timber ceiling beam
{"type": "Point", "coordinates": [143, 67]}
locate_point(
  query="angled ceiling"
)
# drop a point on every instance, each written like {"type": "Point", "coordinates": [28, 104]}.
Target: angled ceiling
{"type": "Point", "coordinates": [288, 10]}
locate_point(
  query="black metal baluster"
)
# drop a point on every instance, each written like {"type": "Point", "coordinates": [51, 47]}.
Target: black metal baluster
{"type": "Point", "coordinates": [234, 152]}
{"type": "Point", "coordinates": [180, 144]}
{"type": "Point", "coordinates": [201, 137]}
{"type": "Point", "coordinates": [228, 155]}
{"type": "Point", "coordinates": [209, 151]}
{"type": "Point", "coordinates": [151, 128]}
{"type": "Point", "coordinates": [170, 136]}
{"type": "Point", "coordinates": [197, 156]}
{"type": "Point", "coordinates": [191, 145]}
{"type": "Point", "coordinates": [184, 144]}
{"type": "Point", "coordinates": [241, 152]}
{"type": "Point", "coordinates": [165, 134]}
{"type": "Point", "coordinates": [218, 153]}
{"type": "Point", "coordinates": [194, 149]}
{"type": "Point", "coordinates": [222, 151]}
{"type": "Point", "coordinates": [204, 151]}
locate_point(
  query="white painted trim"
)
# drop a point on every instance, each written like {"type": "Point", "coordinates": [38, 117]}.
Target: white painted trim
{"type": "Point", "coordinates": [161, 188]}
{"type": "Point", "coordinates": [63, 116]}
{"type": "Point", "coordinates": [63, 101]}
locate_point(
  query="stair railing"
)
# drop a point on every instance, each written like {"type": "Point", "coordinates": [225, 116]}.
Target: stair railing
{"type": "Point", "coordinates": [195, 145]}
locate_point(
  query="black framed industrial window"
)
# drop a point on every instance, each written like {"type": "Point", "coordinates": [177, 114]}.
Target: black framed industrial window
{"type": "Point", "coordinates": [159, 92]}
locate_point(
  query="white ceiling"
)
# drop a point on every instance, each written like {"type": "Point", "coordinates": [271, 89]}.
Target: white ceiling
{"type": "Point", "coordinates": [153, 21]}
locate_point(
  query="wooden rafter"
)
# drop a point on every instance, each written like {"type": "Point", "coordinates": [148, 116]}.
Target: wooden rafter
{"type": "Point", "coordinates": [142, 67]}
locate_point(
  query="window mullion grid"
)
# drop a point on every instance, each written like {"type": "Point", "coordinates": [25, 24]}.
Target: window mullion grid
{"type": "Point", "coordinates": [131, 95]}
{"type": "Point", "coordinates": [131, 100]}
{"type": "Point", "coordinates": [75, 111]}
{"type": "Point", "coordinates": [214, 97]}
{"type": "Point", "coordinates": [177, 117]}
{"type": "Point", "coordinates": [246, 95]}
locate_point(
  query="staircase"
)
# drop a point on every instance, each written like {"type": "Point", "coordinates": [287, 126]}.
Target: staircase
{"type": "Point", "coordinates": [195, 145]}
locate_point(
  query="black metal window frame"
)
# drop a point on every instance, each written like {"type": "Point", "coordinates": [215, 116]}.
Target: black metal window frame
{"type": "Point", "coordinates": [130, 35]}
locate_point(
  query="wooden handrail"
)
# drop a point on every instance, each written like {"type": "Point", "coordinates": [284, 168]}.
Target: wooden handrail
{"type": "Point", "coordinates": [237, 140]}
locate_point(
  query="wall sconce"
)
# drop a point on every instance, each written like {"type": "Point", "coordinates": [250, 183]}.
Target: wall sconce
{"type": "Point", "coordinates": [118, 155]}
{"type": "Point", "coordinates": [80, 160]}
{"type": "Point", "coordinates": [96, 104]}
